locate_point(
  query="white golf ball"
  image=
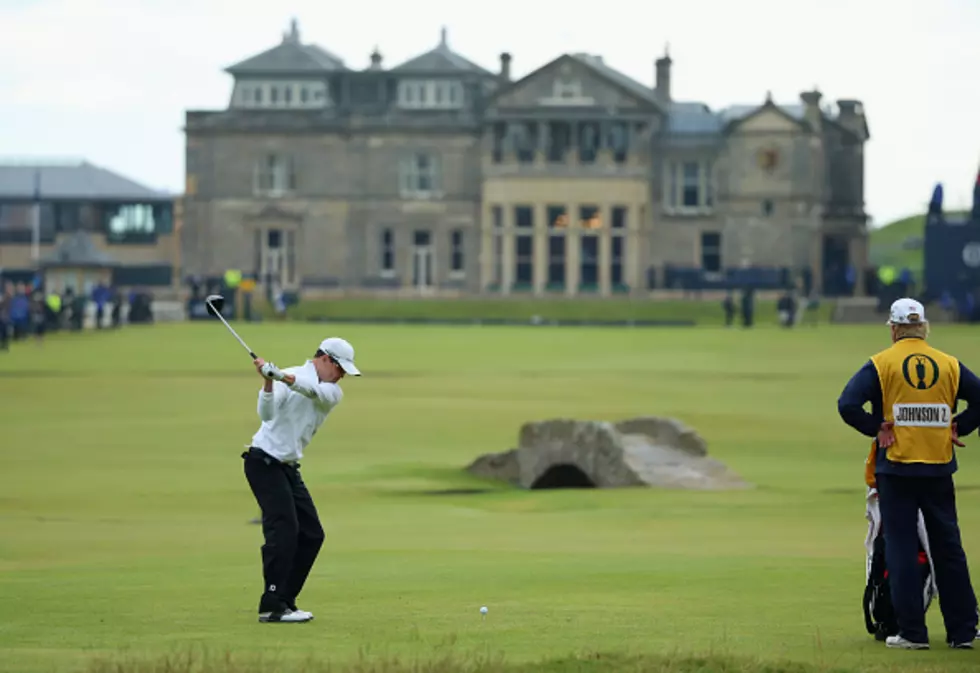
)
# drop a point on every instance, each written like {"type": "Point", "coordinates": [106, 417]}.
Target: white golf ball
{"type": "Point", "coordinates": [483, 610]}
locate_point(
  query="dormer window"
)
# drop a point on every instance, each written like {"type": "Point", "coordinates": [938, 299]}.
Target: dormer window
{"type": "Point", "coordinates": [438, 94]}
{"type": "Point", "coordinates": [280, 95]}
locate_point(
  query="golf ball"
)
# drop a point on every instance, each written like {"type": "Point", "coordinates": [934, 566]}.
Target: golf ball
{"type": "Point", "coordinates": [483, 610]}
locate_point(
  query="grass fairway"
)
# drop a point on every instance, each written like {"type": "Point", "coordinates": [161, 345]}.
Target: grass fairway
{"type": "Point", "coordinates": [124, 535]}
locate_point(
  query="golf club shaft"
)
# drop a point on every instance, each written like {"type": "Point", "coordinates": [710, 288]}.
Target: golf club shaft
{"type": "Point", "coordinates": [232, 330]}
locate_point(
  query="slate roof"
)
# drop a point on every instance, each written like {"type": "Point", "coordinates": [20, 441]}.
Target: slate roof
{"type": "Point", "coordinates": [693, 119]}
{"type": "Point", "coordinates": [81, 180]}
{"type": "Point", "coordinates": [77, 249]}
{"type": "Point", "coordinates": [597, 64]}
{"type": "Point", "coordinates": [736, 112]}
{"type": "Point", "coordinates": [441, 60]}
{"type": "Point", "coordinates": [290, 57]}
{"type": "Point", "coordinates": [794, 110]}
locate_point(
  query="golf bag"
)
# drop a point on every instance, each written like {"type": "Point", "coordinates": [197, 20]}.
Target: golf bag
{"type": "Point", "coordinates": [879, 615]}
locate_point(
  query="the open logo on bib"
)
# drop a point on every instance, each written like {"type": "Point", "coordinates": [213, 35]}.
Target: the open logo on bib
{"type": "Point", "coordinates": [922, 415]}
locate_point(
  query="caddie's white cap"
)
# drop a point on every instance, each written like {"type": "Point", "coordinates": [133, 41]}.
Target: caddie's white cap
{"type": "Point", "coordinates": [906, 311]}
{"type": "Point", "coordinates": [341, 351]}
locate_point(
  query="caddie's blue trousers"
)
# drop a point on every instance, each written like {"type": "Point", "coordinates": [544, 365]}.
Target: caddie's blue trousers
{"type": "Point", "coordinates": [900, 499]}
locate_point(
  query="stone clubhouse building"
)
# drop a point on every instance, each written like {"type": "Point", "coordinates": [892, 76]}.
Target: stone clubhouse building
{"type": "Point", "coordinates": [439, 177]}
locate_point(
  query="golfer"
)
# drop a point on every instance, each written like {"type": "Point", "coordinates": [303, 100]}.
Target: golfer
{"type": "Point", "coordinates": [293, 403]}
{"type": "Point", "coordinates": [913, 389]}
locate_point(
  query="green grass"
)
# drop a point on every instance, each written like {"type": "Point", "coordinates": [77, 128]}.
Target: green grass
{"type": "Point", "coordinates": [887, 243]}
{"type": "Point", "coordinates": [615, 309]}
{"type": "Point", "coordinates": [125, 543]}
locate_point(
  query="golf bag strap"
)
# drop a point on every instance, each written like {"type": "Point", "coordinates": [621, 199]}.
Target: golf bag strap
{"type": "Point", "coordinates": [868, 622]}
{"type": "Point", "coordinates": [932, 589]}
{"type": "Point", "coordinates": [872, 514]}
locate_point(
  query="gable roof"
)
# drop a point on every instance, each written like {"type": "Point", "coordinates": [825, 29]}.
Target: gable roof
{"type": "Point", "coordinates": [441, 60]}
{"type": "Point", "coordinates": [77, 249]}
{"type": "Point", "coordinates": [290, 57]}
{"type": "Point", "coordinates": [741, 112]}
{"type": "Point", "coordinates": [80, 180]}
{"type": "Point", "coordinates": [733, 115]}
{"type": "Point", "coordinates": [597, 66]}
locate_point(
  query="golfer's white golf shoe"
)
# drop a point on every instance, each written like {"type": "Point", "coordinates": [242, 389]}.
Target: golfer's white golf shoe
{"type": "Point", "coordinates": [898, 642]}
{"type": "Point", "coordinates": [289, 616]}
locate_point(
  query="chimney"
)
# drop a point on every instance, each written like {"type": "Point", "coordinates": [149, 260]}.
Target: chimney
{"type": "Point", "coordinates": [812, 112]}
{"type": "Point", "coordinates": [444, 38]}
{"type": "Point", "coordinates": [376, 59]}
{"type": "Point", "coordinates": [663, 76]}
{"type": "Point", "coordinates": [851, 116]}
{"type": "Point", "coordinates": [293, 34]}
{"type": "Point", "coordinates": [849, 107]}
{"type": "Point", "coordinates": [505, 67]}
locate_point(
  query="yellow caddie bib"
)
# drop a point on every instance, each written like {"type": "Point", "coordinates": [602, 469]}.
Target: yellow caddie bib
{"type": "Point", "coordinates": [869, 466]}
{"type": "Point", "coordinates": [918, 392]}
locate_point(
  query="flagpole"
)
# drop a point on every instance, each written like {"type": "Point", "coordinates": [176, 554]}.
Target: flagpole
{"type": "Point", "coordinates": [975, 211]}
{"type": "Point", "coordinates": [36, 218]}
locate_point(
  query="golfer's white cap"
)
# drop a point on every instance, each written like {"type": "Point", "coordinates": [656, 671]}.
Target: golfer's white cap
{"type": "Point", "coordinates": [907, 311]}
{"type": "Point", "coordinates": [341, 351]}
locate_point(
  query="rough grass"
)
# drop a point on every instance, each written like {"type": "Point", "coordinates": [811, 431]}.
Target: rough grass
{"type": "Point", "coordinates": [588, 663]}
{"type": "Point", "coordinates": [125, 543]}
{"type": "Point", "coordinates": [593, 662]}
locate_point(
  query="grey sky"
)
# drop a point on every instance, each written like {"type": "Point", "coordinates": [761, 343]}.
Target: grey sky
{"type": "Point", "coordinates": [109, 80]}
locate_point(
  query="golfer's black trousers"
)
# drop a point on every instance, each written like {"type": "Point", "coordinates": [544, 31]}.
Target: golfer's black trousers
{"type": "Point", "coordinates": [290, 524]}
{"type": "Point", "coordinates": [900, 499]}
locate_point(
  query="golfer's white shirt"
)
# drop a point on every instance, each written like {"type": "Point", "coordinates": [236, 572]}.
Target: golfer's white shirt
{"type": "Point", "coordinates": [291, 415]}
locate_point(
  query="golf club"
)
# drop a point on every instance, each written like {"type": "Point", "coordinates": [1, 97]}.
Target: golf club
{"type": "Point", "coordinates": [216, 302]}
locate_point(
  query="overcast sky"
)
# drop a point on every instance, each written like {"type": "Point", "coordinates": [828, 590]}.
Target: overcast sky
{"type": "Point", "coordinates": [109, 80]}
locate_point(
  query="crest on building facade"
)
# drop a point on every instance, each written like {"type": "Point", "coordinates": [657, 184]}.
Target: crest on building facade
{"type": "Point", "coordinates": [768, 159]}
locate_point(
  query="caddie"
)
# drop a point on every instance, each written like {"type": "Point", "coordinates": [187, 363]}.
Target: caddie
{"type": "Point", "coordinates": [913, 389]}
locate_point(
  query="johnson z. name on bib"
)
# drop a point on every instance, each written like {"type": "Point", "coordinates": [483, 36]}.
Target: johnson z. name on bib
{"type": "Point", "coordinates": [922, 415]}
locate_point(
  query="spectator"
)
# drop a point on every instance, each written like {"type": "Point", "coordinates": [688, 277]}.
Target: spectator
{"type": "Point", "coordinates": [20, 312]}
{"type": "Point", "coordinates": [6, 294]}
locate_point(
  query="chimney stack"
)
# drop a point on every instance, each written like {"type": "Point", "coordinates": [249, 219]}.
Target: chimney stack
{"type": "Point", "coordinates": [505, 67]}
{"type": "Point", "coordinates": [663, 76]}
{"type": "Point", "coordinates": [851, 116]}
{"type": "Point", "coordinates": [293, 34]}
{"type": "Point", "coordinates": [848, 107]}
{"type": "Point", "coordinates": [812, 112]}
{"type": "Point", "coordinates": [376, 59]}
